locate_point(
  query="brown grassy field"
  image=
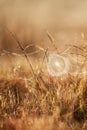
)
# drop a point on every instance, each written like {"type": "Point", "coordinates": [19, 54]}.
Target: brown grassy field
{"type": "Point", "coordinates": [51, 104]}
{"type": "Point", "coordinates": [42, 102]}
{"type": "Point", "coordinates": [33, 99]}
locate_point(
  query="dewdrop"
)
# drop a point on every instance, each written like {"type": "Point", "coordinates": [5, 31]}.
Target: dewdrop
{"type": "Point", "coordinates": [57, 65]}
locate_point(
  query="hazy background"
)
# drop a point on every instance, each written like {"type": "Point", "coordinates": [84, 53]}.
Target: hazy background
{"type": "Point", "coordinates": [30, 19]}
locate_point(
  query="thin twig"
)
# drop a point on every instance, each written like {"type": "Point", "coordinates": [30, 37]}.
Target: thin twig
{"type": "Point", "coordinates": [52, 41]}
{"type": "Point", "coordinates": [45, 55]}
{"type": "Point", "coordinates": [22, 49]}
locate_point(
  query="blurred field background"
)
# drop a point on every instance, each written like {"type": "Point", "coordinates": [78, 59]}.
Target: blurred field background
{"type": "Point", "coordinates": [31, 19]}
{"type": "Point", "coordinates": [30, 98]}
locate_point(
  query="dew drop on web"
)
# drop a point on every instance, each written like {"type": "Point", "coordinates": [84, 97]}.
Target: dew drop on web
{"type": "Point", "coordinates": [57, 65]}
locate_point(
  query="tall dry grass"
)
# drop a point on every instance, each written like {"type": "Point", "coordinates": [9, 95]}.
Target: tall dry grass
{"type": "Point", "coordinates": [47, 103]}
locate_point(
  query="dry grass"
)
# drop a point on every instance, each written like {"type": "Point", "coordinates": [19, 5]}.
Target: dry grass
{"type": "Point", "coordinates": [49, 103]}
{"type": "Point", "coordinates": [40, 102]}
